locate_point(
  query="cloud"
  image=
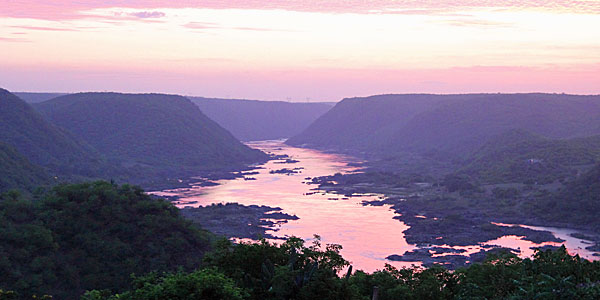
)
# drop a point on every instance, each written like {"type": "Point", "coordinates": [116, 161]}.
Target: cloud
{"type": "Point", "coordinates": [470, 22]}
{"type": "Point", "coordinates": [16, 40]}
{"type": "Point", "coordinates": [69, 9]}
{"type": "Point", "coordinates": [201, 25]}
{"type": "Point", "coordinates": [41, 28]}
{"type": "Point", "coordinates": [147, 14]}
{"type": "Point", "coordinates": [207, 25]}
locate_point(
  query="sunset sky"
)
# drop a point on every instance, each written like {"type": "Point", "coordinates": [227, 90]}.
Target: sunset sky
{"type": "Point", "coordinates": [300, 50]}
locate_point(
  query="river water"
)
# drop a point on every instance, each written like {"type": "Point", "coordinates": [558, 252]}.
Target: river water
{"type": "Point", "coordinates": [367, 233]}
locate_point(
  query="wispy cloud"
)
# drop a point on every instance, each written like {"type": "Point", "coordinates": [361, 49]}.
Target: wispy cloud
{"type": "Point", "coordinates": [42, 28]}
{"type": "Point", "coordinates": [16, 40]}
{"type": "Point", "coordinates": [201, 25]}
{"type": "Point", "coordinates": [208, 25]}
{"type": "Point", "coordinates": [68, 9]}
{"type": "Point", "coordinates": [148, 14]}
{"type": "Point", "coordinates": [472, 22]}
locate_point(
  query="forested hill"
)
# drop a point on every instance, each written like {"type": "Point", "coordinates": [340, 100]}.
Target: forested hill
{"type": "Point", "coordinates": [165, 132]}
{"type": "Point", "coordinates": [356, 123]}
{"type": "Point", "coordinates": [519, 156]}
{"type": "Point", "coordinates": [450, 124]}
{"type": "Point", "coordinates": [577, 203]}
{"type": "Point", "coordinates": [251, 120]}
{"type": "Point", "coordinates": [17, 172]}
{"type": "Point", "coordinates": [41, 142]}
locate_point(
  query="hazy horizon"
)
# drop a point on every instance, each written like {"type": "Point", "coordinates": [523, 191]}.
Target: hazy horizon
{"type": "Point", "coordinates": [301, 51]}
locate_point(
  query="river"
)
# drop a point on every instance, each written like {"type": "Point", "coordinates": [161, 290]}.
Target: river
{"type": "Point", "coordinates": [367, 233]}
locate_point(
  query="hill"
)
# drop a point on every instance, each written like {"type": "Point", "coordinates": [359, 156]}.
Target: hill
{"type": "Point", "coordinates": [30, 97]}
{"type": "Point", "coordinates": [91, 235]}
{"type": "Point", "coordinates": [43, 143]}
{"type": "Point", "coordinates": [450, 125]}
{"type": "Point", "coordinates": [577, 203]}
{"type": "Point", "coordinates": [355, 123]}
{"type": "Point", "coordinates": [16, 172]}
{"type": "Point", "coordinates": [519, 156]}
{"type": "Point", "coordinates": [166, 134]}
{"type": "Point", "coordinates": [252, 120]}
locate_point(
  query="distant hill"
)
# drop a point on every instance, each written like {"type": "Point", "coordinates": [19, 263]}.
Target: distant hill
{"type": "Point", "coordinates": [37, 97]}
{"type": "Point", "coordinates": [164, 133]}
{"type": "Point", "coordinates": [519, 156]}
{"type": "Point", "coordinates": [354, 124]}
{"type": "Point", "coordinates": [16, 172]}
{"type": "Point", "coordinates": [251, 120]}
{"type": "Point", "coordinates": [43, 143]}
{"type": "Point", "coordinates": [450, 125]}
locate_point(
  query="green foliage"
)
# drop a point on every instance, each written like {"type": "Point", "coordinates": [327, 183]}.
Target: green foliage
{"type": "Point", "coordinates": [161, 134]}
{"type": "Point", "coordinates": [17, 172]}
{"type": "Point", "coordinates": [548, 275]}
{"type": "Point", "coordinates": [205, 284]}
{"type": "Point", "coordinates": [92, 235]}
{"type": "Point", "coordinates": [518, 156]}
{"type": "Point", "coordinates": [291, 270]}
{"type": "Point", "coordinates": [577, 203]}
{"type": "Point", "coordinates": [458, 183]}
{"type": "Point", "coordinates": [42, 143]}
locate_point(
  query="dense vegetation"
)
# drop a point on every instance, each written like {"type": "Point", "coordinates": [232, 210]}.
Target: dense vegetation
{"type": "Point", "coordinates": [92, 235]}
{"type": "Point", "coordinates": [577, 203]}
{"type": "Point", "coordinates": [297, 271]}
{"type": "Point", "coordinates": [17, 172]}
{"type": "Point", "coordinates": [251, 120]}
{"type": "Point", "coordinates": [156, 134]}
{"type": "Point", "coordinates": [42, 143]}
{"type": "Point", "coordinates": [453, 125]}
{"type": "Point", "coordinates": [518, 156]}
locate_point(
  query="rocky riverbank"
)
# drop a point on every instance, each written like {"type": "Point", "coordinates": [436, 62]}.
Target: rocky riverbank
{"type": "Point", "coordinates": [236, 220]}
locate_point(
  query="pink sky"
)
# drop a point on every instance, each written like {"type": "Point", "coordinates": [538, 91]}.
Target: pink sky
{"type": "Point", "coordinates": [300, 50]}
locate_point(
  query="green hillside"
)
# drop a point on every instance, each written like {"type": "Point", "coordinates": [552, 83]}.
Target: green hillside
{"type": "Point", "coordinates": [16, 172]}
{"type": "Point", "coordinates": [518, 156]}
{"type": "Point", "coordinates": [166, 133]}
{"type": "Point", "coordinates": [252, 120]}
{"type": "Point", "coordinates": [577, 203]}
{"type": "Point", "coordinates": [92, 235]}
{"type": "Point", "coordinates": [43, 143]}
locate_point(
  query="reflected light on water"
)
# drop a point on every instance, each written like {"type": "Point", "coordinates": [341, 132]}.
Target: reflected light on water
{"type": "Point", "coordinates": [367, 233]}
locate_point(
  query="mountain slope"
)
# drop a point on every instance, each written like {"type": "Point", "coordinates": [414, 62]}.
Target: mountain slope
{"type": "Point", "coordinates": [518, 156]}
{"type": "Point", "coordinates": [164, 132]}
{"type": "Point", "coordinates": [251, 120]}
{"type": "Point", "coordinates": [354, 123]}
{"type": "Point", "coordinates": [42, 142]}
{"type": "Point", "coordinates": [460, 127]}
{"type": "Point", "coordinates": [16, 172]}
{"type": "Point", "coordinates": [577, 203]}
{"type": "Point", "coordinates": [454, 125]}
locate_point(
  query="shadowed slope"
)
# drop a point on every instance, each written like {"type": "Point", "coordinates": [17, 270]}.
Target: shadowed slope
{"type": "Point", "coordinates": [163, 131]}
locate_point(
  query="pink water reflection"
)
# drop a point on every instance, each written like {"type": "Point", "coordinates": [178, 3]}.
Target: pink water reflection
{"type": "Point", "coordinates": [367, 233]}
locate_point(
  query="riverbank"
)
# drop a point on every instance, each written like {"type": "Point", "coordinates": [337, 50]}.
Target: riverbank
{"type": "Point", "coordinates": [467, 216]}
{"type": "Point", "coordinates": [234, 220]}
